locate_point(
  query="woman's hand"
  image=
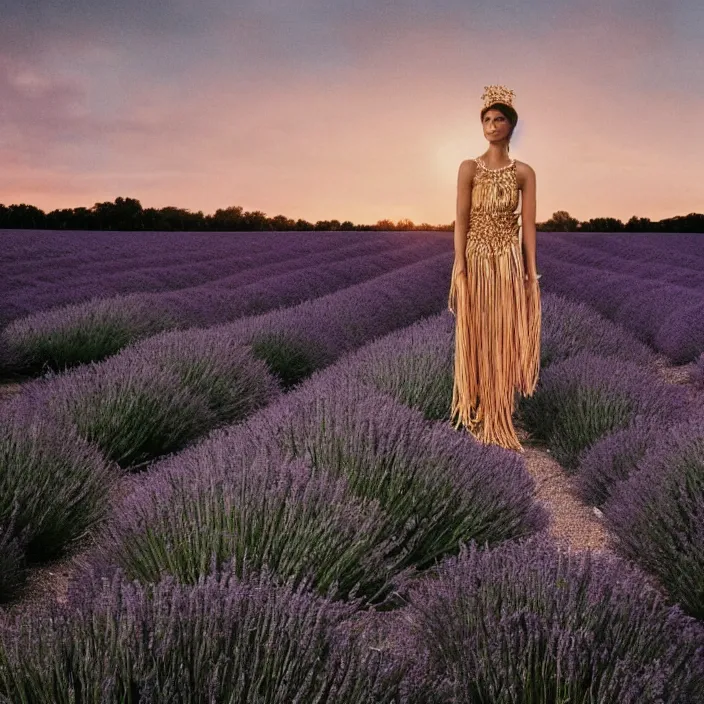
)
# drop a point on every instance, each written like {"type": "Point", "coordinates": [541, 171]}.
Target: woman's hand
{"type": "Point", "coordinates": [460, 267]}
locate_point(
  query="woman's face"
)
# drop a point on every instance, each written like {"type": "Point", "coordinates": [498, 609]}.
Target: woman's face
{"type": "Point", "coordinates": [496, 125]}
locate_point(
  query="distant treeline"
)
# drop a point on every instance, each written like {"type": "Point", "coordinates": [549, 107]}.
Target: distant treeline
{"type": "Point", "coordinates": [128, 214]}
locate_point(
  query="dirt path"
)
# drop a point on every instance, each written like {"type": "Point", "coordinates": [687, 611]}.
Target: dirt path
{"type": "Point", "coordinates": [573, 524]}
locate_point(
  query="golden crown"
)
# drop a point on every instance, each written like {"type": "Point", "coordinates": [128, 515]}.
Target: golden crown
{"type": "Point", "coordinates": [497, 94]}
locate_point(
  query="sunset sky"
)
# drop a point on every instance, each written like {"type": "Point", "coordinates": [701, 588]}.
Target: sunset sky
{"type": "Point", "coordinates": [357, 110]}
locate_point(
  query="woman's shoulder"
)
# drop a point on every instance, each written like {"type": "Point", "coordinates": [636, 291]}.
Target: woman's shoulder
{"type": "Point", "coordinates": [524, 167]}
{"type": "Point", "coordinates": [468, 166]}
{"type": "Point", "coordinates": [524, 174]}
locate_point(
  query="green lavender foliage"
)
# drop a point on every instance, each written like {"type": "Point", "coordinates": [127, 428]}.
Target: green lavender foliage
{"type": "Point", "coordinates": [251, 512]}
{"type": "Point", "coordinates": [585, 397]}
{"type": "Point", "coordinates": [81, 333]}
{"type": "Point", "coordinates": [52, 489]}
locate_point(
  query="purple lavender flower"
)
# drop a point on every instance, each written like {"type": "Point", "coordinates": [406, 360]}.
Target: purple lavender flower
{"type": "Point", "coordinates": [223, 639]}
{"type": "Point", "coordinates": [570, 327]}
{"type": "Point", "coordinates": [524, 622]}
{"type": "Point", "coordinates": [657, 514]}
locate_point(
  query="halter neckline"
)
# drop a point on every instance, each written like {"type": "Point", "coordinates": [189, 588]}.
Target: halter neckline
{"type": "Point", "coordinates": [501, 168]}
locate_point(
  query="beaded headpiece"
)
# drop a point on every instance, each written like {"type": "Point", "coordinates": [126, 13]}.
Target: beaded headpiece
{"type": "Point", "coordinates": [497, 94]}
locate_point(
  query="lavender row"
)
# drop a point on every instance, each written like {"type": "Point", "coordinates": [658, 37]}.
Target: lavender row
{"type": "Point", "coordinates": [526, 623]}
{"type": "Point", "coordinates": [676, 249]}
{"type": "Point", "coordinates": [156, 397]}
{"type": "Point", "coordinates": [667, 317]}
{"type": "Point", "coordinates": [518, 623]}
{"type": "Point", "coordinates": [86, 332]}
{"type": "Point", "coordinates": [53, 486]}
{"type": "Point", "coordinates": [647, 479]}
{"type": "Point", "coordinates": [689, 275]}
{"type": "Point", "coordinates": [464, 635]}
{"type": "Point", "coordinates": [656, 512]}
{"type": "Point", "coordinates": [335, 482]}
{"type": "Point", "coordinates": [223, 266]}
{"type": "Point", "coordinates": [131, 255]}
{"type": "Point", "coordinates": [224, 640]}
{"type": "Point", "coordinates": [69, 249]}
{"type": "Point", "coordinates": [44, 288]}
{"type": "Point", "coordinates": [586, 397]}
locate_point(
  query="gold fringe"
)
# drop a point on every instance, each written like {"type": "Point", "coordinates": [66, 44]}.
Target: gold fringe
{"type": "Point", "coordinates": [497, 343]}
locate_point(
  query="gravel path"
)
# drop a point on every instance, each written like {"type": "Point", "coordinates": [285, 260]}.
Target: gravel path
{"type": "Point", "coordinates": [573, 524]}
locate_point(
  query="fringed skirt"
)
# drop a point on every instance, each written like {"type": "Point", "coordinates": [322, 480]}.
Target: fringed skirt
{"type": "Point", "coordinates": [497, 339]}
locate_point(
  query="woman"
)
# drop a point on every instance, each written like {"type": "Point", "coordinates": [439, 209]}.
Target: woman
{"type": "Point", "coordinates": [494, 292]}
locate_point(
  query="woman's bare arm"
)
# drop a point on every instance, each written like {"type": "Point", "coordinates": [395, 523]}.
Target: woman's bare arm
{"type": "Point", "coordinates": [528, 198]}
{"type": "Point", "coordinates": [464, 200]}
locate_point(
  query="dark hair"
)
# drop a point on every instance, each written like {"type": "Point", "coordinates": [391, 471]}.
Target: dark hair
{"type": "Point", "coordinates": [507, 111]}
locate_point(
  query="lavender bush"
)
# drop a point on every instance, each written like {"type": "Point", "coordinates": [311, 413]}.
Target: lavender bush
{"type": "Point", "coordinates": [435, 486]}
{"type": "Point", "coordinates": [414, 365]}
{"type": "Point", "coordinates": [657, 514]}
{"type": "Point", "coordinates": [527, 624]}
{"type": "Point", "coordinates": [224, 506]}
{"type": "Point", "coordinates": [214, 366]}
{"type": "Point", "coordinates": [570, 327]}
{"type": "Point", "coordinates": [585, 397]}
{"type": "Point", "coordinates": [646, 307]}
{"type": "Point", "coordinates": [224, 639]}
{"type": "Point", "coordinates": [132, 413]}
{"type": "Point", "coordinates": [290, 356]}
{"type": "Point", "coordinates": [681, 335]}
{"type": "Point", "coordinates": [62, 338]}
{"type": "Point", "coordinates": [52, 488]}
{"type": "Point", "coordinates": [615, 457]}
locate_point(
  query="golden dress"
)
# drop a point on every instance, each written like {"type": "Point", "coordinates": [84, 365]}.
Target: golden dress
{"type": "Point", "coordinates": [497, 314]}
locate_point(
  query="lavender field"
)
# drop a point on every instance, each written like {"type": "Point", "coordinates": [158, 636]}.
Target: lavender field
{"type": "Point", "coordinates": [236, 447]}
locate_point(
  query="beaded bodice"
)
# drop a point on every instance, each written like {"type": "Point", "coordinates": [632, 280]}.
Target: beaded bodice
{"type": "Point", "coordinates": [493, 222]}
